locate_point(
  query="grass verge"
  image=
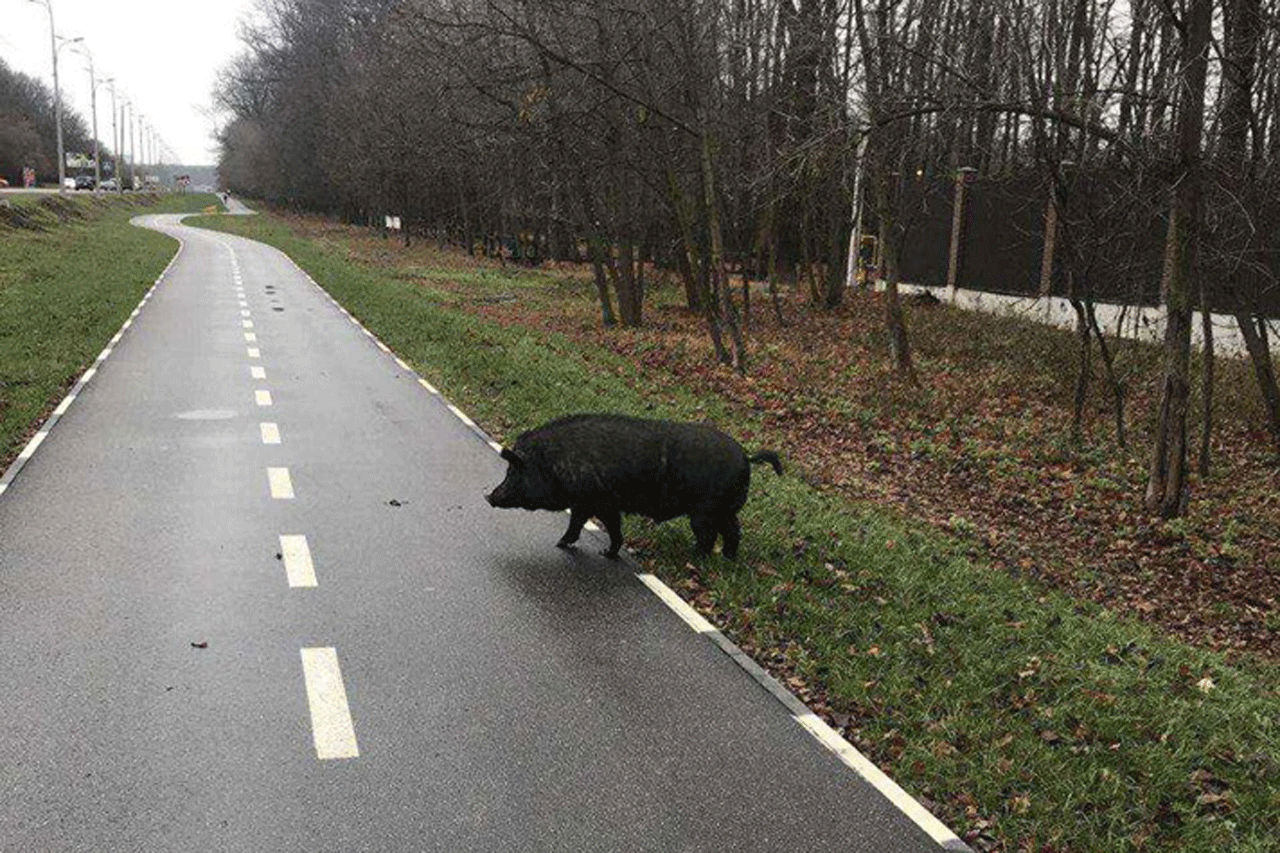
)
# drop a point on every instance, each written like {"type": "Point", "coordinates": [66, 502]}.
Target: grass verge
{"type": "Point", "coordinates": [1025, 719]}
{"type": "Point", "coordinates": [68, 279]}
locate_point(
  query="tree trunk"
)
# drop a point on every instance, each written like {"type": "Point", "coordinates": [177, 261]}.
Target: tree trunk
{"type": "Point", "coordinates": [1166, 482]}
{"type": "Point", "coordinates": [1206, 395]}
{"type": "Point", "coordinates": [1084, 363]}
{"type": "Point", "coordinates": [1255, 340]}
{"type": "Point", "coordinates": [719, 280]}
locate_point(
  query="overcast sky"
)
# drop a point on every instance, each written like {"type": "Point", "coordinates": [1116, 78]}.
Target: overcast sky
{"type": "Point", "coordinates": [163, 54]}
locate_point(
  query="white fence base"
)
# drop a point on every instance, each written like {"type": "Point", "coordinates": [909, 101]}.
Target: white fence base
{"type": "Point", "coordinates": [1124, 321]}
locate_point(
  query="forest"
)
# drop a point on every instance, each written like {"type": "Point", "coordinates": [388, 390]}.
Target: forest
{"type": "Point", "coordinates": [765, 139]}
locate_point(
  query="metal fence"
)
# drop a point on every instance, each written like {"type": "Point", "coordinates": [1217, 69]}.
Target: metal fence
{"type": "Point", "coordinates": [1106, 238]}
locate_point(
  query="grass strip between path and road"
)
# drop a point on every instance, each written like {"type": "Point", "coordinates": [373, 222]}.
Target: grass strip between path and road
{"type": "Point", "coordinates": [70, 274]}
{"type": "Point", "coordinates": [1023, 718]}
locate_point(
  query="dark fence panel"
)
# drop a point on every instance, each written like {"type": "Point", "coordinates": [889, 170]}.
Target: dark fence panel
{"type": "Point", "coordinates": [1111, 237]}
{"type": "Point", "coordinates": [927, 243]}
{"type": "Point", "coordinates": [1002, 245]}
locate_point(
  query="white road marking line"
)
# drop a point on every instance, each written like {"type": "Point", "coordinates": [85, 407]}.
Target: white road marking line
{"type": "Point", "coordinates": [65, 404]}
{"type": "Point", "coordinates": [692, 618]}
{"type": "Point", "coordinates": [115, 340]}
{"type": "Point", "coordinates": [298, 567]}
{"type": "Point", "coordinates": [857, 762]}
{"type": "Point", "coordinates": [403, 365]}
{"type": "Point", "coordinates": [281, 485]}
{"type": "Point", "coordinates": [331, 727]}
{"type": "Point", "coordinates": [246, 312]}
{"type": "Point", "coordinates": [250, 338]}
{"type": "Point", "coordinates": [258, 372]}
{"type": "Point", "coordinates": [247, 324]}
{"type": "Point", "coordinates": [810, 721]}
{"type": "Point", "coordinates": [270, 432]}
{"type": "Point", "coordinates": [460, 416]}
{"type": "Point", "coordinates": [262, 398]}
{"type": "Point", "coordinates": [425, 384]}
{"type": "Point", "coordinates": [102, 356]}
{"type": "Point", "coordinates": [243, 304]}
{"type": "Point", "coordinates": [381, 345]}
{"type": "Point", "coordinates": [127, 323]}
{"type": "Point", "coordinates": [496, 446]}
{"type": "Point", "coordinates": [254, 352]}
{"type": "Point", "coordinates": [88, 374]}
{"type": "Point", "coordinates": [35, 442]}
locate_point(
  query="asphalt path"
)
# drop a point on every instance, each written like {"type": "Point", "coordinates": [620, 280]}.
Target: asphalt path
{"type": "Point", "coordinates": [251, 598]}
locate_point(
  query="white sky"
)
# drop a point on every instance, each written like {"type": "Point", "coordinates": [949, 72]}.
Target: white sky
{"type": "Point", "coordinates": [163, 54]}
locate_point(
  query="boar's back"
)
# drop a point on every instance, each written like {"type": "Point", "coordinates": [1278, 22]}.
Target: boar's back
{"type": "Point", "coordinates": [660, 469]}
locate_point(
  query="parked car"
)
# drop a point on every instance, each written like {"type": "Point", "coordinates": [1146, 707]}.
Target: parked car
{"type": "Point", "coordinates": [68, 183]}
{"type": "Point", "coordinates": [108, 184]}
{"type": "Point", "coordinates": [84, 182]}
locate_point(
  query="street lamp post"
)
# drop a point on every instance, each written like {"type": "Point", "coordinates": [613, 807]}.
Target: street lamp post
{"type": "Point", "coordinates": [110, 83]}
{"type": "Point", "coordinates": [120, 155]}
{"type": "Point", "coordinates": [57, 93]}
{"type": "Point", "coordinates": [93, 107]}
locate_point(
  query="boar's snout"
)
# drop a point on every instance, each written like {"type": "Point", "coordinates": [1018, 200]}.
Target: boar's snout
{"type": "Point", "coordinates": [503, 497]}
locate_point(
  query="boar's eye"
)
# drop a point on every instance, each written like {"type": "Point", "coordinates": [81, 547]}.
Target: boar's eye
{"type": "Point", "coordinates": [514, 458]}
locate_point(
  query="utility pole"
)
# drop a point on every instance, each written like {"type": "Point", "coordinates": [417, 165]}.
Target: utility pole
{"type": "Point", "coordinates": [110, 83]}
{"type": "Point", "coordinates": [57, 93]}
{"type": "Point", "coordinates": [93, 107]}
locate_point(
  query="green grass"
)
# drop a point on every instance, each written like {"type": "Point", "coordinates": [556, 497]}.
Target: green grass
{"type": "Point", "coordinates": [65, 291]}
{"type": "Point", "coordinates": [1028, 719]}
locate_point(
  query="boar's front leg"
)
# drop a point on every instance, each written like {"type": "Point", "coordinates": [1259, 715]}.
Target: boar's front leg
{"type": "Point", "coordinates": [612, 521]}
{"type": "Point", "coordinates": [577, 518]}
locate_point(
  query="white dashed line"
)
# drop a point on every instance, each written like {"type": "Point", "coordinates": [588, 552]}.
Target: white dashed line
{"type": "Point", "coordinates": [270, 432]}
{"type": "Point", "coordinates": [254, 352]}
{"type": "Point", "coordinates": [65, 404]}
{"type": "Point", "coordinates": [425, 384]}
{"type": "Point", "coordinates": [281, 485]}
{"type": "Point", "coordinates": [248, 324]}
{"type": "Point", "coordinates": [258, 372]}
{"type": "Point", "coordinates": [403, 365]}
{"type": "Point", "coordinates": [89, 374]}
{"type": "Point", "coordinates": [262, 398]}
{"type": "Point", "coordinates": [246, 312]}
{"type": "Point", "coordinates": [298, 568]}
{"type": "Point", "coordinates": [331, 727]}
{"type": "Point", "coordinates": [250, 338]}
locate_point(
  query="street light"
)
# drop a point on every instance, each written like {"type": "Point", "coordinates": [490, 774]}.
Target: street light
{"type": "Point", "coordinates": [110, 83]}
{"type": "Point", "coordinates": [93, 107]}
{"type": "Point", "coordinates": [57, 93]}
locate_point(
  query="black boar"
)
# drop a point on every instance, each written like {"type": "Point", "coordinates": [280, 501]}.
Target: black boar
{"type": "Point", "coordinates": [606, 465]}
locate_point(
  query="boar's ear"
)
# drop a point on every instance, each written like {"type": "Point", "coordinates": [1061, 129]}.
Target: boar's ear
{"type": "Point", "coordinates": [514, 458]}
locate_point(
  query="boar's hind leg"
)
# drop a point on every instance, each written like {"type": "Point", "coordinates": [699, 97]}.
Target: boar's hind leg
{"type": "Point", "coordinates": [704, 531]}
{"type": "Point", "coordinates": [612, 521]}
{"type": "Point", "coordinates": [577, 518]}
{"type": "Point", "coordinates": [732, 533]}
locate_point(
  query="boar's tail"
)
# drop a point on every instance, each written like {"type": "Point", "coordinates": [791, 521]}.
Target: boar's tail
{"type": "Point", "coordinates": [767, 456]}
